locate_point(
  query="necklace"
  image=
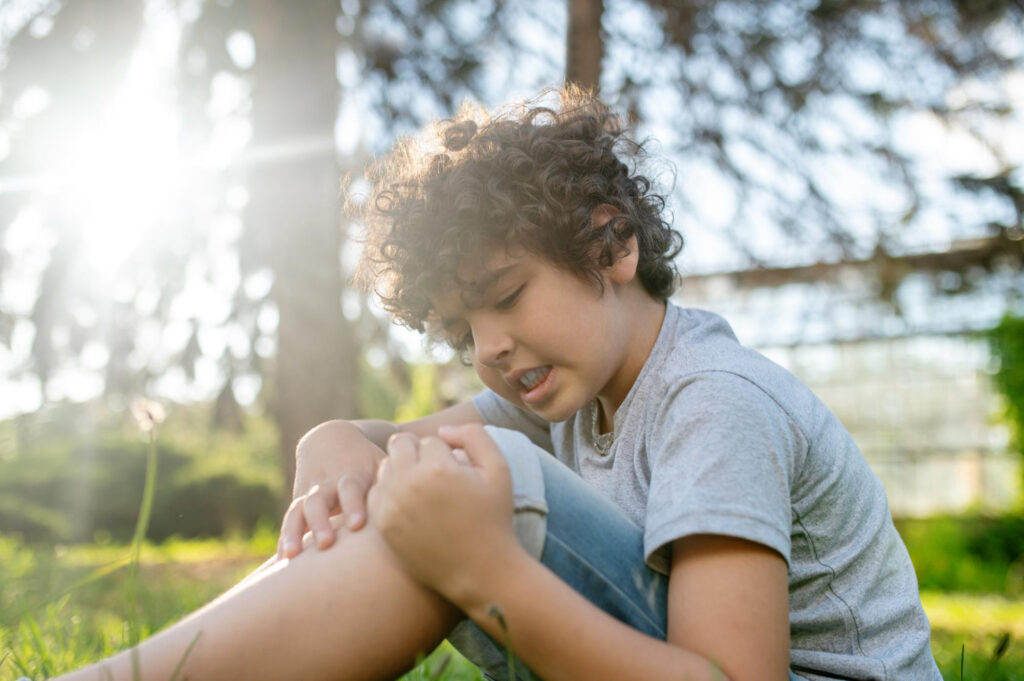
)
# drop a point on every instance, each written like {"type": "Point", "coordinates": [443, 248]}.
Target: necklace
{"type": "Point", "coordinates": [602, 441]}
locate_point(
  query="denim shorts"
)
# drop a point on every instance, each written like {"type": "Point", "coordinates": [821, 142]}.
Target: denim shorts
{"type": "Point", "coordinates": [582, 537]}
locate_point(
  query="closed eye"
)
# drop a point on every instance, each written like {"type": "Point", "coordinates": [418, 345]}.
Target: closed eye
{"type": "Point", "coordinates": [508, 300]}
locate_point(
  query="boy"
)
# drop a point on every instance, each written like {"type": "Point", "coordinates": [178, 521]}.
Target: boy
{"type": "Point", "coordinates": [532, 248]}
{"type": "Point", "coordinates": [706, 515]}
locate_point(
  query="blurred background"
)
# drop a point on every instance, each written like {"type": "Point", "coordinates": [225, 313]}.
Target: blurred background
{"type": "Point", "coordinates": [847, 176]}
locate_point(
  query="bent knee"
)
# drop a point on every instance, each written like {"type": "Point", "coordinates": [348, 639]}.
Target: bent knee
{"type": "Point", "coordinates": [531, 507]}
{"type": "Point", "coordinates": [337, 526]}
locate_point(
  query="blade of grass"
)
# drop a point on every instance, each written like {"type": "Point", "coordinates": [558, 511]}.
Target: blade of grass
{"type": "Point", "coordinates": [19, 664]}
{"type": "Point", "coordinates": [495, 611]}
{"type": "Point", "coordinates": [184, 657]}
{"type": "Point", "coordinates": [37, 643]}
{"type": "Point", "coordinates": [1002, 644]}
{"type": "Point", "coordinates": [98, 573]}
{"type": "Point", "coordinates": [141, 526]}
{"type": "Point", "coordinates": [136, 664]}
{"type": "Point", "coordinates": [441, 666]}
{"type": "Point", "coordinates": [54, 623]}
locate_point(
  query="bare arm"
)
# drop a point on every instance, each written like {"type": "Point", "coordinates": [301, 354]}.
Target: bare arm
{"type": "Point", "coordinates": [728, 619]}
{"type": "Point", "coordinates": [728, 602]}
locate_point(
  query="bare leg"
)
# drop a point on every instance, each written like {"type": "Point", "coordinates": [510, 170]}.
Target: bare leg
{"type": "Point", "coordinates": [346, 614]}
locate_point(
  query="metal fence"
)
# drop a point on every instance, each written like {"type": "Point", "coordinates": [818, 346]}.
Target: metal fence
{"type": "Point", "coordinates": [908, 375]}
{"type": "Point", "coordinates": [923, 411]}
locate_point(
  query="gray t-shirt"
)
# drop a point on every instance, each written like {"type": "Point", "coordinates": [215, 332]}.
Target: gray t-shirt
{"type": "Point", "coordinates": [714, 438]}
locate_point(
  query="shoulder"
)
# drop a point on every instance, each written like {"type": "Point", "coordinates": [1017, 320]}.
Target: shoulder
{"type": "Point", "coordinates": [704, 373]}
{"type": "Point", "coordinates": [718, 400]}
{"type": "Point", "coordinates": [720, 428]}
{"type": "Point", "coordinates": [700, 342]}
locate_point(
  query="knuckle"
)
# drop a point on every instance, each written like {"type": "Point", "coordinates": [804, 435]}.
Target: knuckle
{"type": "Point", "coordinates": [399, 437]}
{"type": "Point", "coordinates": [402, 442]}
{"type": "Point", "coordinates": [351, 481]}
{"type": "Point", "coordinates": [433, 443]}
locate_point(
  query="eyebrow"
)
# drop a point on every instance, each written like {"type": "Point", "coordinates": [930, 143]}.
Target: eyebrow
{"type": "Point", "coordinates": [480, 287]}
{"type": "Point", "coordinates": [489, 279]}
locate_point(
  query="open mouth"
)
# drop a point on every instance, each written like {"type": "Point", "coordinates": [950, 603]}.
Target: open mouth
{"type": "Point", "coordinates": [533, 377]}
{"type": "Point", "coordinates": [534, 383]}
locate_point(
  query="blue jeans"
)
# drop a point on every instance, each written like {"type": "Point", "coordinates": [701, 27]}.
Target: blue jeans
{"type": "Point", "coordinates": [582, 537]}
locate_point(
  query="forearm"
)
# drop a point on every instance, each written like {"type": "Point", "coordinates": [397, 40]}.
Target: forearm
{"type": "Point", "coordinates": [561, 636]}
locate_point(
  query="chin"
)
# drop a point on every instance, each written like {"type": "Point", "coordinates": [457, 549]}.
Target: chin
{"type": "Point", "coordinates": [552, 413]}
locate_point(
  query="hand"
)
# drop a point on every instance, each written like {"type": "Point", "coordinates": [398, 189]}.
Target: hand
{"type": "Point", "coordinates": [449, 523]}
{"type": "Point", "coordinates": [335, 465]}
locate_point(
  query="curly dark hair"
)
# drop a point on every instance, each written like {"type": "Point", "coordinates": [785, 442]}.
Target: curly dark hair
{"type": "Point", "coordinates": [529, 177]}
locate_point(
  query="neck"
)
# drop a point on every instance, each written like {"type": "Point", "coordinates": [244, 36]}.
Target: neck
{"type": "Point", "coordinates": [643, 322]}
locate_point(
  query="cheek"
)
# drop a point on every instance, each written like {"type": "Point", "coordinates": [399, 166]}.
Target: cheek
{"type": "Point", "coordinates": [493, 380]}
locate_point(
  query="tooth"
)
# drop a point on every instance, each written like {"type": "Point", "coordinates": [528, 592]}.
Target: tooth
{"type": "Point", "coordinates": [531, 378]}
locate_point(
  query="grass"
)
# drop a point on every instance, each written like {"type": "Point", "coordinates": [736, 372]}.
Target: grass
{"type": "Point", "coordinates": [989, 628]}
{"type": "Point", "coordinates": [62, 607]}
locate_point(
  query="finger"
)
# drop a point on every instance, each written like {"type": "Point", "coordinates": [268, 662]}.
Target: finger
{"type": "Point", "coordinates": [352, 490]}
{"type": "Point", "coordinates": [317, 513]}
{"type": "Point", "coordinates": [292, 528]}
{"type": "Point", "coordinates": [481, 449]}
{"type": "Point", "coordinates": [435, 449]}
{"type": "Point", "coordinates": [403, 451]}
{"type": "Point", "coordinates": [373, 500]}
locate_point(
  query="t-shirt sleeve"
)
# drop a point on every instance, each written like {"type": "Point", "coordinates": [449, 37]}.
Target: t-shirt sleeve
{"type": "Point", "coordinates": [722, 455]}
{"type": "Point", "coordinates": [495, 410]}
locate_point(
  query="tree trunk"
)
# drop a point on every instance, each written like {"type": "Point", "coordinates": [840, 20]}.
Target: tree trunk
{"type": "Point", "coordinates": [584, 45]}
{"type": "Point", "coordinates": [294, 206]}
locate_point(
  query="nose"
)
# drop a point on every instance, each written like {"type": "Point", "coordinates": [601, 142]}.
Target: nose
{"type": "Point", "coordinates": [492, 343]}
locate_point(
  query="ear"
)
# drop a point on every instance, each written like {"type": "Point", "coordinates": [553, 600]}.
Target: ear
{"type": "Point", "coordinates": [623, 269]}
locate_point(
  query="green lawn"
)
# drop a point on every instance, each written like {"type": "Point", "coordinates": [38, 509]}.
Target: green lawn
{"type": "Point", "coordinates": [63, 607]}
{"type": "Point", "coordinates": [979, 623]}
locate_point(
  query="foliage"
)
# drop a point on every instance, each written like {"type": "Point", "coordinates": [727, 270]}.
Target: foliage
{"type": "Point", "coordinates": [771, 95]}
{"type": "Point", "coordinates": [61, 486]}
{"type": "Point", "coordinates": [967, 554]}
{"type": "Point", "coordinates": [775, 111]}
{"type": "Point", "coordinates": [424, 397]}
{"type": "Point", "coordinates": [1007, 343]}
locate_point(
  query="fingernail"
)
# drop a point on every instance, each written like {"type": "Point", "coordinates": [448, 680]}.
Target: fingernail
{"type": "Point", "coordinates": [289, 548]}
{"type": "Point", "coordinates": [354, 520]}
{"type": "Point", "coordinates": [445, 429]}
{"type": "Point", "coordinates": [322, 537]}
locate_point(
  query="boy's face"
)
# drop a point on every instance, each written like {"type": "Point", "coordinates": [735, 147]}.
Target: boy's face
{"type": "Point", "coordinates": [538, 335]}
